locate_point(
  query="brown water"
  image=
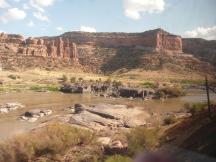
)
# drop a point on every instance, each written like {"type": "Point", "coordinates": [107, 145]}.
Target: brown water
{"type": "Point", "coordinates": [9, 125]}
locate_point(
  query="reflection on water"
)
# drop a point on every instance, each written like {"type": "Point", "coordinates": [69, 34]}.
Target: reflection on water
{"type": "Point", "coordinates": [57, 101]}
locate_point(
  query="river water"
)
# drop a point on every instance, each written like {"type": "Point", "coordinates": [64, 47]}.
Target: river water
{"type": "Point", "coordinates": [9, 125]}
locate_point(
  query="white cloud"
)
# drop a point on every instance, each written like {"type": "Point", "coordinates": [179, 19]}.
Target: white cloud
{"type": "Point", "coordinates": [59, 28]}
{"type": "Point", "coordinates": [202, 32]}
{"type": "Point", "coordinates": [40, 16]}
{"type": "Point", "coordinates": [36, 6]}
{"type": "Point", "coordinates": [134, 8]}
{"type": "Point", "coordinates": [4, 4]}
{"type": "Point", "coordinates": [43, 3]}
{"type": "Point", "coordinates": [39, 5]}
{"type": "Point", "coordinates": [25, 6]}
{"type": "Point", "coordinates": [87, 29]}
{"type": "Point", "coordinates": [30, 24]}
{"type": "Point", "coordinates": [13, 14]}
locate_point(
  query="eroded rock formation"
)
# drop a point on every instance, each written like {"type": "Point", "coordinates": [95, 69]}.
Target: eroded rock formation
{"type": "Point", "coordinates": [150, 40]}
{"type": "Point", "coordinates": [201, 48]}
{"type": "Point", "coordinates": [96, 52]}
{"type": "Point", "coordinates": [39, 47]}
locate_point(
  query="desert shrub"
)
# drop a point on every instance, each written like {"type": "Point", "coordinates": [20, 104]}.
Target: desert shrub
{"type": "Point", "coordinates": [118, 158]}
{"type": "Point", "coordinates": [14, 77]}
{"type": "Point", "coordinates": [195, 108]}
{"type": "Point", "coordinates": [169, 120]}
{"type": "Point", "coordinates": [91, 81]}
{"type": "Point", "coordinates": [1, 82]}
{"type": "Point", "coordinates": [52, 139]}
{"type": "Point", "coordinates": [117, 83]}
{"type": "Point", "coordinates": [64, 78]}
{"type": "Point", "coordinates": [80, 79]}
{"type": "Point", "coordinates": [73, 79]}
{"type": "Point", "coordinates": [149, 85]}
{"type": "Point", "coordinates": [108, 81]}
{"type": "Point", "coordinates": [172, 91]}
{"type": "Point", "coordinates": [160, 94]}
{"type": "Point", "coordinates": [140, 139]}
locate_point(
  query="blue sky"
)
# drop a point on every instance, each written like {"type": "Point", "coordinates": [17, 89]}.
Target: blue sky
{"type": "Point", "coordinates": [188, 18]}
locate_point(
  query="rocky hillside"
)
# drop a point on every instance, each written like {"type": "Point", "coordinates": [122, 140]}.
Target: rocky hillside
{"type": "Point", "coordinates": [201, 48]}
{"type": "Point", "coordinates": [100, 52]}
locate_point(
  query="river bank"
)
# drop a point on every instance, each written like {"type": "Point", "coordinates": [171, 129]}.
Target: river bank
{"type": "Point", "coordinates": [57, 102]}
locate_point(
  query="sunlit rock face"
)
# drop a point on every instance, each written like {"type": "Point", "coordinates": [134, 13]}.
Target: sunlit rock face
{"type": "Point", "coordinates": [96, 52]}
{"type": "Point", "coordinates": [153, 40]}
{"type": "Point", "coordinates": [65, 46]}
{"type": "Point", "coordinates": [53, 47]}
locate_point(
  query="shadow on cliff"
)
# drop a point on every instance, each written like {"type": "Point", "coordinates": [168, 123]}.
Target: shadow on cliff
{"type": "Point", "coordinates": [124, 58]}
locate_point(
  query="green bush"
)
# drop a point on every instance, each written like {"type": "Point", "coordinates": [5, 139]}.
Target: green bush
{"type": "Point", "coordinates": [44, 88]}
{"type": "Point", "coordinates": [172, 91]}
{"type": "Point", "coordinates": [108, 81]}
{"type": "Point", "coordinates": [73, 79]}
{"type": "Point", "coordinates": [64, 78]}
{"type": "Point", "coordinates": [169, 120]}
{"type": "Point", "coordinates": [91, 81]}
{"type": "Point", "coordinates": [80, 79]}
{"type": "Point", "coordinates": [118, 158]}
{"type": "Point", "coordinates": [149, 85]}
{"type": "Point", "coordinates": [117, 83]}
{"type": "Point", "coordinates": [195, 108]}
{"type": "Point", "coordinates": [140, 139]}
{"type": "Point", "coordinates": [14, 77]}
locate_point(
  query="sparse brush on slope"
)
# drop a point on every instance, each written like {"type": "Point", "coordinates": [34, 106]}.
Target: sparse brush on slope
{"type": "Point", "coordinates": [52, 139]}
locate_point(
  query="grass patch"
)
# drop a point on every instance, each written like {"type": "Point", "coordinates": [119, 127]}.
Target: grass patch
{"type": "Point", "coordinates": [170, 120]}
{"type": "Point", "coordinates": [171, 92]}
{"type": "Point", "coordinates": [149, 85]}
{"type": "Point", "coordinates": [118, 158]}
{"type": "Point", "coordinates": [45, 88]}
{"type": "Point", "coordinates": [51, 140]}
{"type": "Point", "coordinates": [195, 108]}
{"type": "Point", "coordinates": [140, 139]}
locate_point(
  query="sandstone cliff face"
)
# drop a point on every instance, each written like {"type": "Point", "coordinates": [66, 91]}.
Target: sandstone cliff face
{"type": "Point", "coordinates": [153, 40]}
{"type": "Point", "coordinates": [96, 52]}
{"type": "Point", "coordinates": [201, 48]}
{"type": "Point", "coordinates": [47, 48]}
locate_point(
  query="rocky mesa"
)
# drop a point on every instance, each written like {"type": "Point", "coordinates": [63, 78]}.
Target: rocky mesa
{"type": "Point", "coordinates": [97, 52]}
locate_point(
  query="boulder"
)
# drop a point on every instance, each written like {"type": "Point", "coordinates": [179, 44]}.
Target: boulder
{"type": "Point", "coordinates": [34, 115]}
{"type": "Point", "coordinates": [78, 108]}
{"type": "Point", "coordinates": [107, 117]}
{"type": "Point", "coordinates": [105, 141]}
{"type": "Point", "coordinates": [116, 147]}
{"type": "Point", "coordinates": [10, 107]}
{"type": "Point", "coordinates": [72, 88]}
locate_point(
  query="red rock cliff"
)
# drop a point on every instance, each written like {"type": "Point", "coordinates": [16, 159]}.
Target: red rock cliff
{"type": "Point", "coordinates": [66, 46]}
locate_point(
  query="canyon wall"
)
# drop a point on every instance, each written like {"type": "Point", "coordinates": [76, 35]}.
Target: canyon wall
{"type": "Point", "coordinates": [157, 39]}
{"type": "Point", "coordinates": [200, 48]}
{"type": "Point", "coordinates": [95, 51]}
{"type": "Point", "coordinates": [65, 46]}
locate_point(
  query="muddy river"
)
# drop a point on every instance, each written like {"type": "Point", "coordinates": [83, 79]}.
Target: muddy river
{"type": "Point", "coordinates": [9, 125]}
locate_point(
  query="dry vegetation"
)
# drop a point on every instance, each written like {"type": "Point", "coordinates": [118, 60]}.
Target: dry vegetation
{"type": "Point", "coordinates": [31, 79]}
{"type": "Point", "coordinates": [53, 139]}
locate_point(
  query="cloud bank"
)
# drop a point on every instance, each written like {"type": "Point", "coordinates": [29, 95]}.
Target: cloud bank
{"type": "Point", "coordinates": [13, 14]}
{"type": "Point", "coordinates": [134, 8]}
{"type": "Point", "coordinates": [208, 33]}
{"type": "Point", "coordinates": [4, 4]}
{"type": "Point", "coordinates": [87, 29]}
